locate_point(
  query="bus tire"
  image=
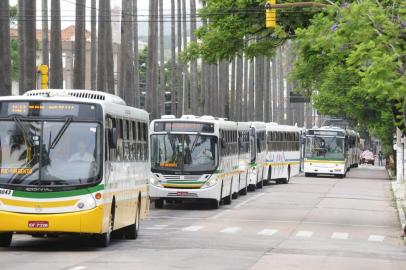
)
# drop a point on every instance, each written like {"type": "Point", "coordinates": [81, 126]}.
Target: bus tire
{"type": "Point", "coordinates": [285, 180]}
{"type": "Point", "coordinates": [235, 195]}
{"type": "Point", "coordinates": [227, 200]}
{"type": "Point", "coordinates": [251, 187]}
{"type": "Point", "coordinates": [103, 240]}
{"type": "Point", "coordinates": [5, 239]}
{"type": "Point", "coordinates": [131, 232]}
{"type": "Point", "coordinates": [159, 203]}
{"type": "Point", "coordinates": [260, 184]}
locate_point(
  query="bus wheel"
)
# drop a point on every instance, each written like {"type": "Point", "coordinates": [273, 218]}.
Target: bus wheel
{"type": "Point", "coordinates": [103, 240]}
{"type": "Point", "coordinates": [5, 239]}
{"type": "Point", "coordinates": [260, 184]}
{"type": "Point", "coordinates": [243, 191]}
{"type": "Point", "coordinates": [251, 187]}
{"type": "Point", "coordinates": [228, 199]}
{"type": "Point", "coordinates": [131, 232]}
{"type": "Point", "coordinates": [214, 204]}
{"type": "Point", "coordinates": [235, 195]}
{"type": "Point", "coordinates": [159, 203]}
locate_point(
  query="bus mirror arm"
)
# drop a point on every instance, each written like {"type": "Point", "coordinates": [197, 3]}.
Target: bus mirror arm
{"type": "Point", "coordinates": [113, 138]}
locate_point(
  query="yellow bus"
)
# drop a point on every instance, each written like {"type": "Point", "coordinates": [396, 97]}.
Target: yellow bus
{"type": "Point", "coordinates": [72, 161]}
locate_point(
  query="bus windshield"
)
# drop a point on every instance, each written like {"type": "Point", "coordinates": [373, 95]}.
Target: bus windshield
{"type": "Point", "coordinates": [183, 153]}
{"type": "Point", "coordinates": [49, 153]}
{"type": "Point", "coordinates": [329, 148]}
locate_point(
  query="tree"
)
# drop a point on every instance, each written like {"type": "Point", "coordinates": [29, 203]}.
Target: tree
{"type": "Point", "coordinates": [21, 47]}
{"type": "Point", "coordinates": [136, 55]}
{"type": "Point", "coordinates": [5, 52]}
{"type": "Point", "coordinates": [126, 81]}
{"type": "Point", "coordinates": [79, 69]}
{"type": "Point", "coordinates": [45, 41]}
{"type": "Point", "coordinates": [30, 44]}
{"type": "Point", "coordinates": [194, 100]}
{"type": "Point", "coordinates": [108, 53]}
{"type": "Point", "coordinates": [162, 85]}
{"type": "Point", "coordinates": [179, 109]}
{"type": "Point", "coordinates": [173, 60]}
{"type": "Point", "coordinates": [56, 71]}
{"type": "Point", "coordinates": [101, 48]}
{"type": "Point", "coordinates": [93, 49]}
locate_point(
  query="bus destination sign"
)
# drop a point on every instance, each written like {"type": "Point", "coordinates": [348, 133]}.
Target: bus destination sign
{"type": "Point", "coordinates": [184, 127]}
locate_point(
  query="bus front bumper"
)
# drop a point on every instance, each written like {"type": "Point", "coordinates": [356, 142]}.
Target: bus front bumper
{"type": "Point", "coordinates": [324, 168]}
{"type": "Point", "coordinates": [89, 221]}
{"type": "Point", "coordinates": [212, 192]}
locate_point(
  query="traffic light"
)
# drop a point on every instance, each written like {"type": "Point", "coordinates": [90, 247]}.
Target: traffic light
{"type": "Point", "coordinates": [42, 79]}
{"type": "Point", "coordinates": [270, 14]}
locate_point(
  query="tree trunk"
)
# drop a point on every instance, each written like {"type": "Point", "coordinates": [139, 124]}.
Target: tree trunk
{"type": "Point", "coordinates": [180, 68]}
{"type": "Point", "coordinates": [186, 98]}
{"type": "Point", "coordinates": [30, 45]}
{"type": "Point", "coordinates": [93, 56]}
{"type": "Point", "coordinates": [232, 114]}
{"type": "Point", "coordinates": [162, 84]}
{"type": "Point", "coordinates": [194, 101]}
{"type": "Point", "coordinates": [259, 90]}
{"type": "Point", "coordinates": [136, 56]}
{"type": "Point", "coordinates": [109, 51]}
{"type": "Point", "coordinates": [79, 69]}
{"type": "Point", "coordinates": [45, 41]}
{"type": "Point", "coordinates": [21, 45]}
{"type": "Point", "coordinates": [281, 87]}
{"type": "Point", "coordinates": [173, 60]}
{"type": "Point", "coordinates": [239, 89]}
{"type": "Point", "coordinates": [126, 83]}
{"type": "Point", "coordinates": [56, 71]}
{"type": "Point", "coordinates": [151, 84]}
{"type": "Point", "coordinates": [101, 61]}
{"type": "Point", "coordinates": [246, 89]}
{"type": "Point", "coordinates": [5, 50]}
{"type": "Point", "coordinates": [267, 112]}
{"type": "Point", "coordinates": [251, 91]}
{"type": "Point", "coordinates": [274, 91]}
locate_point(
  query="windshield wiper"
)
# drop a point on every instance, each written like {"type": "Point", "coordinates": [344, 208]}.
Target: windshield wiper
{"type": "Point", "coordinates": [23, 130]}
{"type": "Point", "coordinates": [60, 133]}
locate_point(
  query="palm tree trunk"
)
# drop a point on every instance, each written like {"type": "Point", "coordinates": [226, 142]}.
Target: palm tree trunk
{"type": "Point", "coordinates": [101, 61]}
{"type": "Point", "coordinates": [108, 53]}
{"type": "Point", "coordinates": [180, 68]}
{"type": "Point", "coordinates": [246, 89]}
{"type": "Point", "coordinates": [30, 45]}
{"type": "Point", "coordinates": [136, 56]}
{"type": "Point", "coordinates": [56, 71]}
{"type": "Point", "coordinates": [5, 51]}
{"type": "Point", "coordinates": [281, 87]}
{"type": "Point", "coordinates": [21, 47]}
{"type": "Point", "coordinates": [259, 90]}
{"type": "Point", "coordinates": [194, 100]}
{"type": "Point", "coordinates": [173, 60]}
{"type": "Point", "coordinates": [162, 84]}
{"type": "Point", "coordinates": [93, 56]}
{"type": "Point", "coordinates": [274, 91]}
{"type": "Point", "coordinates": [186, 97]}
{"type": "Point", "coordinates": [126, 83]}
{"type": "Point", "coordinates": [267, 104]}
{"type": "Point", "coordinates": [45, 41]}
{"type": "Point", "coordinates": [239, 89]}
{"type": "Point", "coordinates": [232, 114]}
{"type": "Point", "coordinates": [251, 91]}
{"type": "Point", "coordinates": [151, 84]}
{"type": "Point", "coordinates": [79, 69]}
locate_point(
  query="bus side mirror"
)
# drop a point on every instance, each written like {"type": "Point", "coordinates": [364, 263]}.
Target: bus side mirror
{"type": "Point", "coordinates": [113, 138]}
{"type": "Point", "coordinates": [222, 144]}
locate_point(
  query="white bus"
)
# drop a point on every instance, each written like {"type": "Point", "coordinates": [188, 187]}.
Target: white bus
{"type": "Point", "coordinates": [283, 153]}
{"type": "Point", "coordinates": [195, 158]}
{"type": "Point", "coordinates": [72, 161]}
{"type": "Point", "coordinates": [258, 163]}
{"type": "Point", "coordinates": [330, 150]}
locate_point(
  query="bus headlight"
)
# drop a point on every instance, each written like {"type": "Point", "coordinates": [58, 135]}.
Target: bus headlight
{"type": "Point", "coordinates": [86, 203]}
{"type": "Point", "coordinates": [211, 182]}
{"type": "Point", "coordinates": [155, 182]}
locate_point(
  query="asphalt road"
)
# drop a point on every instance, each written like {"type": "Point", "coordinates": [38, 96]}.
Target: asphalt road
{"type": "Point", "coordinates": [311, 223]}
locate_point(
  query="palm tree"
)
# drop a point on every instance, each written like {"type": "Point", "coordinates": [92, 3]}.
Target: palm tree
{"type": "Point", "coordinates": [239, 88]}
{"type": "Point", "coordinates": [5, 54]}
{"type": "Point", "coordinates": [194, 101]}
{"type": "Point", "coordinates": [101, 61]}
{"type": "Point", "coordinates": [281, 87]}
{"type": "Point", "coordinates": [136, 55]}
{"type": "Point", "coordinates": [21, 47]}
{"type": "Point", "coordinates": [232, 114]}
{"type": "Point", "coordinates": [151, 84]}
{"type": "Point", "coordinates": [173, 60]}
{"type": "Point", "coordinates": [162, 85]}
{"type": "Point", "coordinates": [251, 90]}
{"type": "Point", "coordinates": [184, 66]}
{"type": "Point", "coordinates": [45, 41]}
{"type": "Point", "coordinates": [56, 71]}
{"type": "Point", "coordinates": [93, 45]}
{"type": "Point", "coordinates": [30, 45]}
{"type": "Point", "coordinates": [246, 90]}
{"type": "Point", "coordinates": [259, 90]}
{"type": "Point", "coordinates": [126, 81]}
{"type": "Point", "coordinates": [108, 53]}
{"type": "Point", "coordinates": [179, 110]}
{"type": "Point", "coordinates": [79, 69]}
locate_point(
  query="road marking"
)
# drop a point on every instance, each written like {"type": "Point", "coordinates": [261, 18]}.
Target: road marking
{"type": "Point", "coordinates": [230, 230]}
{"type": "Point", "coordinates": [267, 232]}
{"type": "Point", "coordinates": [220, 214]}
{"type": "Point", "coordinates": [77, 268]}
{"type": "Point", "coordinates": [304, 234]}
{"type": "Point", "coordinates": [154, 228]}
{"type": "Point", "coordinates": [192, 228]}
{"type": "Point", "coordinates": [249, 200]}
{"type": "Point", "coordinates": [376, 238]}
{"type": "Point", "coordinates": [161, 225]}
{"type": "Point", "coordinates": [340, 236]}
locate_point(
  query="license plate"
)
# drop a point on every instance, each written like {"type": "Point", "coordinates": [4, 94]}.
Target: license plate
{"type": "Point", "coordinates": [182, 193]}
{"type": "Point", "coordinates": [38, 224]}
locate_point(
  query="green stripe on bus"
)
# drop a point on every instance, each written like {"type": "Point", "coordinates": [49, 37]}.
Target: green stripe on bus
{"type": "Point", "coordinates": [57, 194]}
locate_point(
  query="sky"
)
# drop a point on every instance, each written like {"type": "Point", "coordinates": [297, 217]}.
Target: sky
{"type": "Point", "coordinates": [68, 10]}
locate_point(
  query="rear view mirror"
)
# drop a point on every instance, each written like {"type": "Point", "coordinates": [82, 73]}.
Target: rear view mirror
{"type": "Point", "coordinates": [113, 138]}
{"type": "Point", "coordinates": [222, 143]}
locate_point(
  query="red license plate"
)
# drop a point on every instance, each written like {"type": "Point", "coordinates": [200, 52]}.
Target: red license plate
{"type": "Point", "coordinates": [182, 193]}
{"type": "Point", "coordinates": [38, 224]}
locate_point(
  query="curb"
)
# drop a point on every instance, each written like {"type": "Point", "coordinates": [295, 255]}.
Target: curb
{"type": "Point", "coordinates": [395, 188]}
